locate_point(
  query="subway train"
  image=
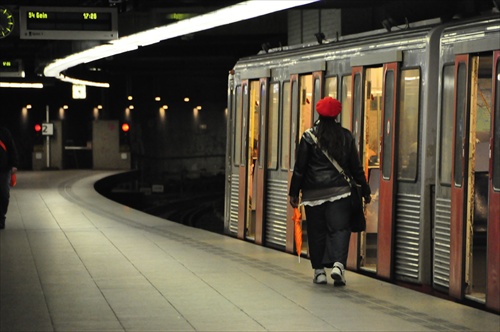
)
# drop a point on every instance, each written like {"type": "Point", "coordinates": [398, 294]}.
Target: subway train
{"type": "Point", "coordinates": [423, 104]}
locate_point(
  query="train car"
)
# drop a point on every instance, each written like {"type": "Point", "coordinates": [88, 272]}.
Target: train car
{"type": "Point", "coordinates": [400, 93]}
{"type": "Point", "coordinates": [467, 190]}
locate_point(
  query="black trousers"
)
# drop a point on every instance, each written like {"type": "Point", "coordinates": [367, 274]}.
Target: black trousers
{"type": "Point", "coordinates": [328, 232]}
{"type": "Point", "coordinates": [4, 194]}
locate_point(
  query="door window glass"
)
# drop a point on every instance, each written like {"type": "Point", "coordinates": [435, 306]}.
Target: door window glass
{"type": "Point", "coordinates": [373, 116]}
{"type": "Point", "coordinates": [306, 108]}
{"type": "Point", "coordinates": [461, 99]}
{"type": "Point", "coordinates": [237, 132]}
{"type": "Point", "coordinates": [446, 137]}
{"type": "Point", "coordinates": [331, 87]}
{"type": "Point", "coordinates": [295, 101]}
{"type": "Point", "coordinates": [346, 115]}
{"type": "Point", "coordinates": [272, 127]}
{"type": "Point", "coordinates": [387, 124]}
{"type": "Point", "coordinates": [285, 127]}
{"type": "Point", "coordinates": [357, 105]}
{"type": "Point", "coordinates": [254, 124]}
{"type": "Point", "coordinates": [409, 95]}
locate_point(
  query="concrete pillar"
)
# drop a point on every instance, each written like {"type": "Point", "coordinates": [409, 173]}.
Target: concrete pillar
{"type": "Point", "coordinates": [106, 152]}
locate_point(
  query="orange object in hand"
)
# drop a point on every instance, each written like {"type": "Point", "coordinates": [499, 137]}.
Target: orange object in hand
{"type": "Point", "coordinates": [13, 179]}
{"type": "Point", "coordinates": [297, 218]}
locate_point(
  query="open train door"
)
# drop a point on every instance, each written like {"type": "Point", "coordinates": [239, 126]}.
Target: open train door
{"type": "Point", "coordinates": [474, 248]}
{"type": "Point", "coordinates": [355, 256]}
{"type": "Point", "coordinates": [493, 254]}
{"type": "Point", "coordinates": [387, 173]}
{"type": "Point", "coordinates": [294, 105]}
{"type": "Point", "coordinates": [374, 103]}
{"type": "Point", "coordinates": [260, 167]}
{"type": "Point", "coordinates": [242, 167]}
{"type": "Point", "coordinates": [250, 214]}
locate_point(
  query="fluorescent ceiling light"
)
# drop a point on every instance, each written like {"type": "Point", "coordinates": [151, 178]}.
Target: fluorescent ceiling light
{"type": "Point", "coordinates": [92, 54]}
{"type": "Point", "coordinates": [239, 12]}
{"type": "Point", "coordinates": [21, 85]}
{"type": "Point", "coordinates": [82, 82]}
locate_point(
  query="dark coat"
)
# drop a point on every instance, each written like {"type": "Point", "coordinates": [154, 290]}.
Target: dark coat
{"type": "Point", "coordinates": [9, 157]}
{"type": "Point", "coordinates": [316, 176]}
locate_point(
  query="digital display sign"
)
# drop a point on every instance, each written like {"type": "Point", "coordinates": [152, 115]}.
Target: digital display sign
{"type": "Point", "coordinates": [11, 68]}
{"type": "Point", "coordinates": [82, 23]}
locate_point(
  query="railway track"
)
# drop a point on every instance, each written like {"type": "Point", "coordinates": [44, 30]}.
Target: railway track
{"type": "Point", "coordinates": [200, 211]}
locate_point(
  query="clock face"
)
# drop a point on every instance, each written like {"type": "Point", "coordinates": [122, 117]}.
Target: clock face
{"type": "Point", "coordinates": [6, 22]}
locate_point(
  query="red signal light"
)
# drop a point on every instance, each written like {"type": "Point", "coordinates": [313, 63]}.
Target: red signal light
{"type": "Point", "coordinates": [125, 127]}
{"type": "Point", "coordinates": [38, 128]}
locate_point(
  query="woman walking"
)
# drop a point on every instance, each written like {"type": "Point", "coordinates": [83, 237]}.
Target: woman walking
{"type": "Point", "coordinates": [325, 192]}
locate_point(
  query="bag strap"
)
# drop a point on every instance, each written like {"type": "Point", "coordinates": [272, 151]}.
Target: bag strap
{"type": "Point", "coordinates": [332, 160]}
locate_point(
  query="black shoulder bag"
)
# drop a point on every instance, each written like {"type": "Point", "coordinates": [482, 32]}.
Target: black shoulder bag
{"type": "Point", "coordinates": [358, 220]}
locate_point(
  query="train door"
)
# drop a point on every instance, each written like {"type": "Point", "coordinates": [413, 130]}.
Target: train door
{"type": "Point", "coordinates": [278, 165]}
{"type": "Point", "coordinates": [469, 247]}
{"type": "Point", "coordinates": [367, 90]}
{"type": "Point", "coordinates": [236, 165]}
{"type": "Point", "coordinates": [387, 172]}
{"type": "Point", "coordinates": [252, 191]}
{"type": "Point", "coordinates": [493, 263]}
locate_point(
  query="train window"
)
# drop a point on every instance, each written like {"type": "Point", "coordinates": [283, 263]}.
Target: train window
{"type": "Point", "coordinates": [306, 109]}
{"type": "Point", "coordinates": [496, 144]}
{"type": "Point", "coordinates": [482, 106]}
{"type": "Point", "coordinates": [409, 96]}
{"type": "Point", "coordinates": [237, 132]}
{"type": "Point", "coordinates": [317, 90]}
{"type": "Point", "coordinates": [285, 132]}
{"type": "Point", "coordinates": [263, 91]}
{"type": "Point", "coordinates": [373, 117]}
{"type": "Point", "coordinates": [331, 87]}
{"type": "Point", "coordinates": [304, 112]}
{"type": "Point", "coordinates": [387, 133]}
{"type": "Point", "coordinates": [272, 127]}
{"type": "Point", "coordinates": [446, 138]}
{"type": "Point", "coordinates": [346, 115]}
{"type": "Point", "coordinates": [294, 109]}
{"type": "Point", "coordinates": [317, 96]}
{"type": "Point", "coordinates": [461, 98]}
{"type": "Point", "coordinates": [254, 146]}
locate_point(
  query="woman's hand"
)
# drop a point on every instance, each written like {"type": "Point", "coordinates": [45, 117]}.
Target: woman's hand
{"type": "Point", "coordinates": [294, 201]}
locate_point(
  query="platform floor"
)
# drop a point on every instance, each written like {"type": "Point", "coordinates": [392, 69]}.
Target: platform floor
{"type": "Point", "coordinates": [72, 260]}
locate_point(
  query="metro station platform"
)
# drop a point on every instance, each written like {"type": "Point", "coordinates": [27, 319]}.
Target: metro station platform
{"type": "Point", "coordinates": [72, 260]}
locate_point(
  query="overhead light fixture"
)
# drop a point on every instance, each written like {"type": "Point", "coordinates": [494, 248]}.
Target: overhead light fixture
{"type": "Point", "coordinates": [99, 52]}
{"type": "Point", "coordinates": [236, 13]}
{"type": "Point", "coordinates": [82, 82]}
{"type": "Point", "coordinates": [21, 85]}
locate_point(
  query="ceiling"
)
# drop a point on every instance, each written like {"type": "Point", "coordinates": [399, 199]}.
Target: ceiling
{"type": "Point", "coordinates": [138, 15]}
{"type": "Point", "coordinates": [202, 55]}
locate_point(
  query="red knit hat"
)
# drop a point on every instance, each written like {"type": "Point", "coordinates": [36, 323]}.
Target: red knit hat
{"type": "Point", "coordinates": [329, 107]}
